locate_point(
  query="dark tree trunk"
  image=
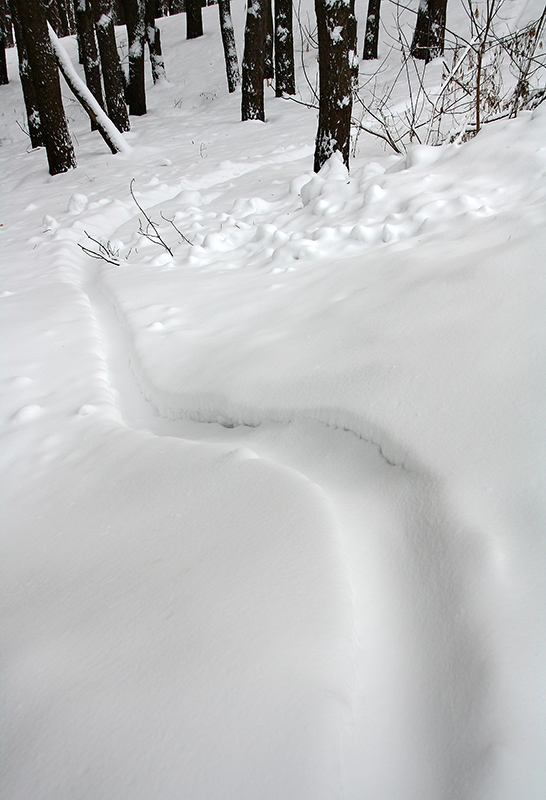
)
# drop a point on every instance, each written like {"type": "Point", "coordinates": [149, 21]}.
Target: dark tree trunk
{"type": "Point", "coordinates": [3, 42]}
{"type": "Point", "coordinates": [228, 41]}
{"type": "Point", "coordinates": [371, 38]}
{"type": "Point", "coordinates": [112, 74]}
{"type": "Point", "coordinates": [285, 82]}
{"type": "Point", "coordinates": [45, 76]}
{"type": "Point", "coordinates": [153, 37]}
{"type": "Point", "coordinates": [269, 68]}
{"type": "Point", "coordinates": [89, 54]}
{"type": "Point", "coordinates": [252, 104]}
{"type": "Point", "coordinates": [194, 19]}
{"type": "Point", "coordinates": [336, 43]}
{"type": "Point", "coordinates": [136, 34]}
{"type": "Point", "coordinates": [430, 30]}
{"type": "Point", "coordinates": [29, 94]}
{"type": "Point", "coordinates": [7, 27]}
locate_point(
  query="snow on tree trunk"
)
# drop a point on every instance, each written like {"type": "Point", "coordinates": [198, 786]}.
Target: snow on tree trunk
{"type": "Point", "coordinates": [194, 19]}
{"type": "Point", "coordinates": [112, 75]}
{"type": "Point", "coordinates": [429, 35]}
{"type": "Point", "coordinates": [228, 42]}
{"type": "Point", "coordinates": [88, 50]}
{"type": "Point", "coordinates": [136, 33]}
{"type": "Point", "coordinates": [153, 38]}
{"type": "Point", "coordinates": [269, 68]}
{"type": "Point", "coordinates": [285, 82]}
{"type": "Point", "coordinates": [45, 76]}
{"type": "Point", "coordinates": [27, 86]}
{"type": "Point", "coordinates": [252, 104]}
{"type": "Point", "coordinates": [335, 21]}
{"type": "Point", "coordinates": [371, 37]}
{"type": "Point", "coordinates": [105, 126]}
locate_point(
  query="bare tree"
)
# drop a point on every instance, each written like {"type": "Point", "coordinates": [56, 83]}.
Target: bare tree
{"type": "Point", "coordinates": [5, 25]}
{"type": "Point", "coordinates": [252, 104]}
{"type": "Point", "coordinates": [194, 19]}
{"type": "Point", "coordinates": [27, 86]}
{"type": "Point", "coordinates": [228, 42]}
{"type": "Point", "coordinates": [371, 37]}
{"type": "Point", "coordinates": [112, 74]}
{"type": "Point", "coordinates": [153, 37]}
{"type": "Point", "coordinates": [269, 67]}
{"type": "Point", "coordinates": [429, 35]}
{"type": "Point", "coordinates": [285, 82]}
{"type": "Point", "coordinates": [136, 33]}
{"type": "Point", "coordinates": [88, 51]}
{"type": "Point", "coordinates": [336, 40]}
{"type": "Point", "coordinates": [45, 77]}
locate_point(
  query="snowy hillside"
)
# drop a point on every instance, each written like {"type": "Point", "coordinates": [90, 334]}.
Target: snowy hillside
{"type": "Point", "coordinates": [274, 494]}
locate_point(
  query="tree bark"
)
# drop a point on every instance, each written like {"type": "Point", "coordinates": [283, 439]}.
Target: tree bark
{"type": "Point", "coordinates": [29, 93]}
{"type": "Point", "coordinates": [4, 41]}
{"type": "Point", "coordinates": [153, 38]}
{"type": "Point", "coordinates": [429, 35]}
{"type": "Point", "coordinates": [194, 19]}
{"type": "Point", "coordinates": [336, 41]}
{"type": "Point", "coordinates": [136, 33]}
{"type": "Point", "coordinates": [371, 38]}
{"type": "Point", "coordinates": [269, 67]}
{"type": "Point", "coordinates": [228, 42]}
{"type": "Point", "coordinates": [89, 53]}
{"type": "Point", "coordinates": [45, 76]}
{"type": "Point", "coordinates": [252, 104]}
{"type": "Point", "coordinates": [285, 82]}
{"type": "Point", "coordinates": [112, 74]}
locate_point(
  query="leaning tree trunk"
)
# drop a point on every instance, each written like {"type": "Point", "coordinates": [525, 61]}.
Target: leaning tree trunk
{"type": "Point", "coordinates": [228, 41]}
{"type": "Point", "coordinates": [371, 37]}
{"type": "Point", "coordinates": [194, 19]}
{"type": "Point", "coordinates": [285, 82]}
{"type": "Point", "coordinates": [88, 50]}
{"type": "Point", "coordinates": [269, 68]}
{"type": "Point", "coordinates": [335, 20]}
{"type": "Point", "coordinates": [430, 30]}
{"type": "Point", "coordinates": [136, 34]}
{"type": "Point", "coordinates": [153, 38]}
{"type": "Point", "coordinates": [29, 93]}
{"type": "Point", "coordinates": [45, 76]}
{"type": "Point", "coordinates": [252, 103]}
{"type": "Point", "coordinates": [112, 74]}
{"type": "Point", "coordinates": [83, 95]}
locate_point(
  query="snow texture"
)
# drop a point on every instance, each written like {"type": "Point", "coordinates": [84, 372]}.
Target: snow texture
{"type": "Point", "coordinates": [275, 503]}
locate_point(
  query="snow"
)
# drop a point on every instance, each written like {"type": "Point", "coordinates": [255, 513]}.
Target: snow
{"type": "Point", "coordinates": [274, 505]}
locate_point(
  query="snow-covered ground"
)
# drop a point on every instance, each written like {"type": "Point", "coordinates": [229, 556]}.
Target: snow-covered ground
{"type": "Point", "coordinates": [274, 505]}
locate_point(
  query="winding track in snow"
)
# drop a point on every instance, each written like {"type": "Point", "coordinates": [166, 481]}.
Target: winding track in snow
{"type": "Point", "coordinates": [423, 676]}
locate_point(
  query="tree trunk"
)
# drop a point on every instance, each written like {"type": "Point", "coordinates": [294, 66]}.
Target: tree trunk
{"type": "Point", "coordinates": [194, 19]}
{"type": "Point", "coordinates": [252, 104]}
{"type": "Point", "coordinates": [45, 76]}
{"type": "Point", "coordinates": [89, 53]}
{"type": "Point", "coordinates": [428, 39]}
{"type": "Point", "coordinates": [112, 73]}
{"type": "Point", "coordinates": [336, 40]}
{"type": "Point", "coordinates": [269, 69]}
{"type": "Point", "coordinates": [136, 33]}
{"type": "Point", "coordinates": [371, 38]}
{"type": "Point", "coordinates": [285, 82]}
{"type": "Point", "coordinates": [153, 37]}
{"type": "Point", "coordinates": [228, 41]}
{"type": "Point", "coordinates": [106, 128]}
{"type": "Point", "coordinates": [29, 93]}
{"type": "Point", "coordinates": [4, 40]}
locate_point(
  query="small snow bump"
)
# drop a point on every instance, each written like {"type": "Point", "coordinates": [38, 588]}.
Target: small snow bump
{"type": "Point", "coordinates": [27, 413]}
{"type": "Point", "coordinates": [77, 203]}
{"type": "Point", "coordinates": [85, 410]}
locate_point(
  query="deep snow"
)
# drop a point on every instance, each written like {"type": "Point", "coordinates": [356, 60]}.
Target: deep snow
{"type": "Point", "coordinates": [338, 591]}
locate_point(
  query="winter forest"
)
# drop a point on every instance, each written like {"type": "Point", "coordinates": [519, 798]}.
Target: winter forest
{"type": "Point", "coordinates": [273, 300]}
